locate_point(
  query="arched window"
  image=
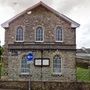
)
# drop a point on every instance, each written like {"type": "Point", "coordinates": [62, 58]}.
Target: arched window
{"type": "Point", "coordinates": [24, 66]}
{"type": "Point", "coordinates": [58, 33]}
{"type": "Point", "coordinates": [39, 34]}
{"type": "Point", "coordinates": [19, 33]}
{"type": "Point", "coordinates": [57, 64]}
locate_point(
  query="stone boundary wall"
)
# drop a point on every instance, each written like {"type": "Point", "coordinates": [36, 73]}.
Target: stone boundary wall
{"type": "Point", "coordinates": [37, 85]}
{"type": "Point", "coordinates": [17, 85]}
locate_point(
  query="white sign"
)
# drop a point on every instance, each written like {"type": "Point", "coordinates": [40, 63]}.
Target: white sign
{"type": "Point", "coordinates": [43, 62]}
{"type": "Point", "coordinates": [38, 62]}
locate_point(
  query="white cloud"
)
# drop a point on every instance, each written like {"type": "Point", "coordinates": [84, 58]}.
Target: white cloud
{"type": "Point", "coordinates": [5, 14]}
{"type": "Point", "coordinates": [81, 14]}
{"type": "Point", "coordinates": [20, 5]}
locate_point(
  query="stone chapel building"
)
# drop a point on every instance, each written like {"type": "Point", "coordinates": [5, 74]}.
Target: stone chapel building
{"type": "Point", "coordinates": [51, 38]}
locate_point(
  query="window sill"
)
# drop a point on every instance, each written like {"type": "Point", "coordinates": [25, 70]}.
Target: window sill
{"type": "Point", "coordinates": [24, 74]}
{"type": "Point", "coordinates": [56, 74]}
{"type": "Point", "coordinates": [39, 41]}
{"type": "Point", "coordinates": [59, 41]}
{"type": "Point", "coordinates": [19, 41]}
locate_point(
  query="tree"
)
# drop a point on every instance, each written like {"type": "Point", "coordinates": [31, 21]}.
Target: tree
{"type": "Point", "coordinates": [1, 52]}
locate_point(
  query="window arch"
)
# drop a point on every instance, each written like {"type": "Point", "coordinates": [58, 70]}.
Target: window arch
{"type": "Point", "coordinates": [39, 34]}
{"type": "Point", "coordinates": [24, 65]}
{"type": "Point", "coordinates": [57, 64]}
{"type": "Point", "coordinates": [19, 34]}
{"type": "Point", "coordinates": [58, 33]}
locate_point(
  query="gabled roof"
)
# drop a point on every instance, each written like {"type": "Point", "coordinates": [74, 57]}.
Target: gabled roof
{"type": "Point", "coordinates": [73, 23]}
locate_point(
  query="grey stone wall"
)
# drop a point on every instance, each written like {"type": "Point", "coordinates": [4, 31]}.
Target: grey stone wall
{"type": "Point", "coordinates": [68, 67]}
{"type": "Point", "coordinates": [45, 18]}
{"type": "Point", "coordinates": [42, 16]}
{"type": "Point", "coordinates": [37, 85]}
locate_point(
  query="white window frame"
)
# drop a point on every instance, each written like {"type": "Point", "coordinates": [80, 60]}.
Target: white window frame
{"type": "Point", "coordinates": [59, 73]}
{"type": "Point", "coordinates": [56, 34]}
{"type": "Point", "coordinates": [16, 33]}
{"type": "Point", "coordinates": [23, 73]}
{"type": "Point", "coordinates": [43, 33]}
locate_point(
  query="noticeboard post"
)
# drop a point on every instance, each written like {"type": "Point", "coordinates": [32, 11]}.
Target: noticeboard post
{"type": "Point", "coordinates": [29, 58]}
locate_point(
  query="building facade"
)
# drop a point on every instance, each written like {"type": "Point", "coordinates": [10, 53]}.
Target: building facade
{"type": "Point", "coordinates": [49, 36]}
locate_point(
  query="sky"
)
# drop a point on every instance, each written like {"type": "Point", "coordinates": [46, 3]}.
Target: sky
{"type": "Point", "coordinates": [77, 10]}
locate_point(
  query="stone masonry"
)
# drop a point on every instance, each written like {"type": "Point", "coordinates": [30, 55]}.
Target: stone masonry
{"type": "Point", "coordinates": [68, 67]}
{"type": "Point", "coordinates": [41, 16]}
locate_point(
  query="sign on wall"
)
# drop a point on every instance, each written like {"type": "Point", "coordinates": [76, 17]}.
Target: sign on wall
{"type": "Point", "coordinates": [41, 62]}
{"type": "Point", "coordinates": [29, 57]}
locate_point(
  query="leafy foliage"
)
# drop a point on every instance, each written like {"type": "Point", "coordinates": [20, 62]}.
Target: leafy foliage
{"type": "Point", "coordinates": [1, 50]}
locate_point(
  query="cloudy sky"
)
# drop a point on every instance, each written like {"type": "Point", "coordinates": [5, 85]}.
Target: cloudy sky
{"type": "Point", "coordinates": [78, 10]}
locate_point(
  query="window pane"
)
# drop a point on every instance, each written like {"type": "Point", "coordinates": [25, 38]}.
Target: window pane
{"type": "Point", "coordinates": [39, 34]}
{"type": "Point", "coordinates": [56, 64]}
{"type": "Point", "coordinates": [24, 65]}
{"type": "Point", "coordinates": [19, 34]}
{"type": "Point", "coordinates": [58, 34]}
